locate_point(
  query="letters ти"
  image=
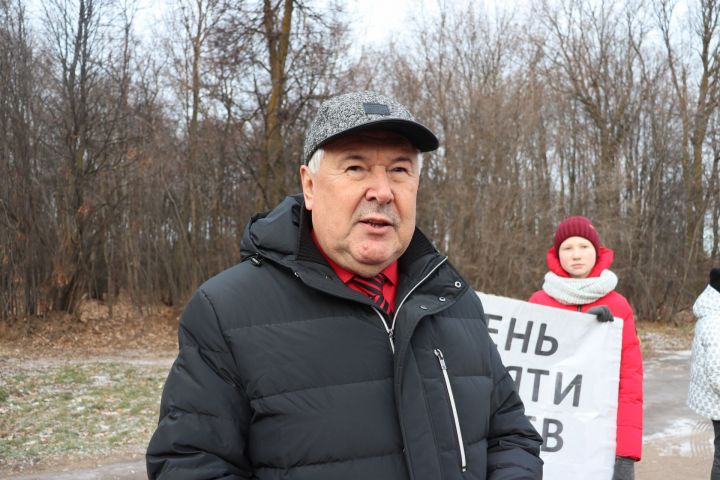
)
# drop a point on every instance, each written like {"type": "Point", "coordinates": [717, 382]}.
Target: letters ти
{"type": "Point", "coordinates": [575, 385]}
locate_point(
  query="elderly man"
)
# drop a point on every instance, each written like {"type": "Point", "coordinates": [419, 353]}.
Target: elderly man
{"type": "Point", "coordinates": [344, 346]}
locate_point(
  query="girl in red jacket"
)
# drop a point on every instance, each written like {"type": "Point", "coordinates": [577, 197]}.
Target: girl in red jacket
{"type": "Point", "coordinates": [579, 279]}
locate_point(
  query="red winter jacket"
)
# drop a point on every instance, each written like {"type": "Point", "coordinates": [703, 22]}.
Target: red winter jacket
{"type": "Point", "coordinates": [630, 395]}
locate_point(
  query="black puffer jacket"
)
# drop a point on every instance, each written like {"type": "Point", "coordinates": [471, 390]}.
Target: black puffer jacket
{"type": "Point", "coordinates": [285, 373]}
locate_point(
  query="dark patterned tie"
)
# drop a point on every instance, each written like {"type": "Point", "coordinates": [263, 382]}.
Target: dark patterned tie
{"type": "Point", "coordinates": [373, 288]}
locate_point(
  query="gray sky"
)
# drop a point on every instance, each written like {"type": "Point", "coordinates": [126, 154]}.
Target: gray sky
{"type": "Point", "coordinates": [376, 21]}
{"type": "Point", "coordinates": [372, 21]}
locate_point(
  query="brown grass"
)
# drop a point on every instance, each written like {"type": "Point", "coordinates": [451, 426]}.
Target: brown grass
{"type": "Point", "coordinates": [83, 387]}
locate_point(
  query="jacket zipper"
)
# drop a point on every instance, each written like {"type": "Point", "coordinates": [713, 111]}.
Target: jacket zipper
{"type": "Point", "coordinates": [390, 329]}
{"type": "Point", "coordinates": [461, 445]}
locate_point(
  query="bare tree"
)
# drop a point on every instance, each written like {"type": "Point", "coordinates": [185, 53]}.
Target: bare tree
{"type": "Point", "coordinates": [288, 54]}
{"type": "Point", "coordinates": [596, 49]}
{"type": "Point", "coordinates": [24, 206]}
{"type": "Point", "coordinates": [132, 168]}
{"type": "Point", "coordinates": [85, 105]}
{"type": "Point", "coordinates": [697, 100]}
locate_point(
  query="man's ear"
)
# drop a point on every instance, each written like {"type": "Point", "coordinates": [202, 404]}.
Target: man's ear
{"type": "Point", "coordinates": [308, 185]}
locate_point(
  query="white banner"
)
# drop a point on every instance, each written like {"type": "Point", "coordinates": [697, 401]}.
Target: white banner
{"type": "Point", "coordinates": [566, 366]}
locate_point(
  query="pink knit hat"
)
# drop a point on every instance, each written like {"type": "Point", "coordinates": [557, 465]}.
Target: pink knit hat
{"type": "Point", "coordinates": [577, 226]}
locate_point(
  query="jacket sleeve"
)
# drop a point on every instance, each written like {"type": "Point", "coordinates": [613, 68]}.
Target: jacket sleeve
{"type": "Point", "coordinates": [204, 414]}
{"type": "Point", "coordinates": [630, 394]}
{"type": "Point", "coordinates": [711, 360]}
{"type": "Point", "coordinates": [513, 443]}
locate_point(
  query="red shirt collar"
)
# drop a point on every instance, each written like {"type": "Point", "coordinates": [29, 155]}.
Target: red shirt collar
{"type": "Point", "coordinates": [390, 272]}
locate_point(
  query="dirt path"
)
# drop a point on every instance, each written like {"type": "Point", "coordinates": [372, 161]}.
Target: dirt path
{"type": "Point", "coordinates": [120, 470]}
{"type": "Point", "coordinates": [677, 443]}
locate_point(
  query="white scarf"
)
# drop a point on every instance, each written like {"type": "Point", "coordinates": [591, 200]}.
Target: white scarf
{"type": "Point", "coordinates": [579, 291]}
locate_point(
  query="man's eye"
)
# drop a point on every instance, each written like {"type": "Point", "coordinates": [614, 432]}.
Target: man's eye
{"type": "Point", "coordinates": [400, 169]}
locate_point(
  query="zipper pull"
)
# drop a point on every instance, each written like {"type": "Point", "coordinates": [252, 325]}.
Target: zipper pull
{"type": "Point", "coordinates": [441, 358]}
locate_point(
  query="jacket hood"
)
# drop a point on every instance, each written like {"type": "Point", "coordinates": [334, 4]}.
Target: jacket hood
{"type": "Point", "coordinates": [604, 260]}
{"type": "Point", "coordinates": [275, 233]}
{"type": "Point", "coordinates": [707, 303]}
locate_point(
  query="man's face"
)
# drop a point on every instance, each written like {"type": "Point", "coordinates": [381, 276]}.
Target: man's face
{"type": "Point", "coordinates": [362, 198]}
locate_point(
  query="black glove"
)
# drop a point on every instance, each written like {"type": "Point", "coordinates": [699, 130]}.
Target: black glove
{"type": "Point", "coordinates": [624, 466]}
{"type": "Point", "coordinates": [602, 313]}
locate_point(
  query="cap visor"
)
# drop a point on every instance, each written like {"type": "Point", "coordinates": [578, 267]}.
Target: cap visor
{"type": "Point", "coordinates": [419, 135]}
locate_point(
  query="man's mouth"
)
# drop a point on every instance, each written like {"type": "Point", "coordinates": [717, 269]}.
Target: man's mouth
{"type": "Point", "coordinates": [376, 223]}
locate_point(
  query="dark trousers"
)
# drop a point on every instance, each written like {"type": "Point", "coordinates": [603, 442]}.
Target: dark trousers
{"type": "Point", "coordinates": [715, 473]}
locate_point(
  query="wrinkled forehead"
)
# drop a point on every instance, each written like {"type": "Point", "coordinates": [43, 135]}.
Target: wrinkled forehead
{"type": "Point", "coordinates": [372, 139]}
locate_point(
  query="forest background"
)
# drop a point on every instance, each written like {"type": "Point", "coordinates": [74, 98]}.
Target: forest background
{"type": "Point", "coordinates": [130, 163]}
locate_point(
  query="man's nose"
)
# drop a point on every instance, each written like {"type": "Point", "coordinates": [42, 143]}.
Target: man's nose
{"type": "Point", "coordinates": [379, 188]}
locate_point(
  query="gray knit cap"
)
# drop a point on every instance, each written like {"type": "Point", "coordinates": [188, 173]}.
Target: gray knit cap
{"type": "Point", "coordinates": [356, 111]}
